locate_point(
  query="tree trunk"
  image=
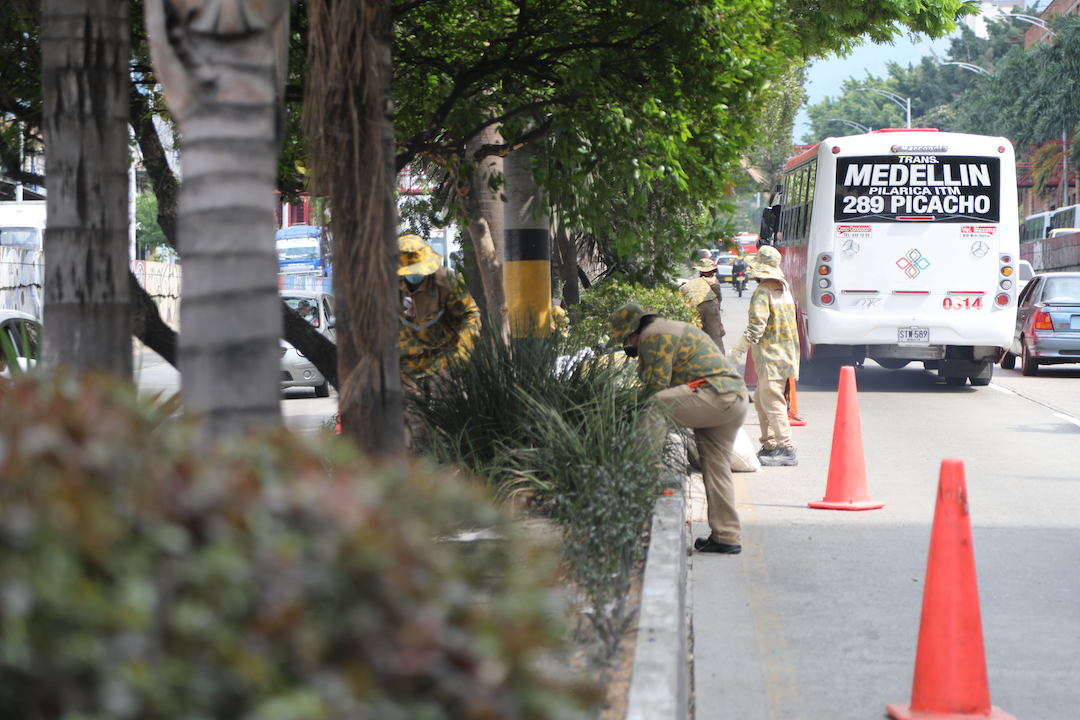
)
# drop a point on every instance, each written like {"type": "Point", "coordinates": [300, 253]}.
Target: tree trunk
{"type": "Point", "coordinates": [162, 180]}
{"type": "Point", "coordinates": [216, 63]}
{"type": "Point", "coordinates": [491, 269]}
{"type": "Point", "coordinates": [481, 203]}
{"type": "Point", "coordinates": [527, 271]}
{"type": "Point", "coordinates": [85, 78]}
{"type": "Point", "coordinates": [349, 119]}
{"type": "Point", "coordinates": [566, 245]}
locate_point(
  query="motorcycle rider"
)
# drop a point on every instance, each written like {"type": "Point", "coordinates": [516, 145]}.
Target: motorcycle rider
{"type": "Point", "coordinates": [738, 273]}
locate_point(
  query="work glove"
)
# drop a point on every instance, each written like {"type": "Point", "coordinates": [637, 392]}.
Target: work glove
{"type": "Point", "coordinates": [739, 348]}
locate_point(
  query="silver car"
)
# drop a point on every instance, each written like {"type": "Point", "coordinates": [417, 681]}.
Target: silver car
{"type": "Point", "coordinates": [296, 370]}
{"type": "Point", "coordinates": [1047, 323]}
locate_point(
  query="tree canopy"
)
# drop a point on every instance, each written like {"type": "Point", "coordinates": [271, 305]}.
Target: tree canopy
{"type": "Point", "coordinates": [933, 86]}
{"type": "Point", "coordinates": [647, 106]}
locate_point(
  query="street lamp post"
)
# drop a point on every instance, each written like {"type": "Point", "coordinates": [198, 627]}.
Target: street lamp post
{"type": "Point", "coordinates": [851, 124]}
{"type": "Point", "coordinates": [1037, 22]}
{"type": "Point", "coordinates": [969, 66]}
{"type": "Point", "coordinates": [903, 102]}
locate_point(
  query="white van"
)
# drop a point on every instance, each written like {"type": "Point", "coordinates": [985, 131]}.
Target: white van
{"type": "Point", "coordinates": [22, 224]}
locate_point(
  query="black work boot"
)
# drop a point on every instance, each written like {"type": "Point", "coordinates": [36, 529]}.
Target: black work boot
{"type": "Point", "coordinates": [781, 457]}
{"type": "Point", "coordinates": [708, 545]}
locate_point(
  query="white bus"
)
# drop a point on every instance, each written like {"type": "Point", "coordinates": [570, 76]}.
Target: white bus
{"type": "Point", "coordinates": [900, 246]}
{"type": "Point", "coordinates": [1066, 217]}
{"type": "Point", "coordinates": [1036, 227]}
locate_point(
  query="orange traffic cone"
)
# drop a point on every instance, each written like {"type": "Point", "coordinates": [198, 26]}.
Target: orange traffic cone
{"type": "Point", "coordinates": [846, 488]}
{"type": "Point", "coordinates": [950, 663]}
{"type": "Point", "coordinates": [793, 405]}
{"type": "Point", "coordinates": [750, 373]}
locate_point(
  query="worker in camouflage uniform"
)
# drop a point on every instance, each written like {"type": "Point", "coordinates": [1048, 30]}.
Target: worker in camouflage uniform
{"type": "Point", "coordinates": [703, 294]}
{"type": "Point", "coordinates": [688, 380]}
{"type": "Point", "coordinates": [773, 335]}
{"type": "Point", "coordinates": [439, 322]}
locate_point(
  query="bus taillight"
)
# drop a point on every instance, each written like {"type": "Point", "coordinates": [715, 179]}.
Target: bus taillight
{"type": "Point", "coordinates": [826, 298]}
{"type": "Point", "coordinates": [1002, 299]}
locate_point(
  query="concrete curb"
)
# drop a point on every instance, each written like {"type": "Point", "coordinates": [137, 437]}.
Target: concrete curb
{"type": "Point", "coordinates": [659, 687]}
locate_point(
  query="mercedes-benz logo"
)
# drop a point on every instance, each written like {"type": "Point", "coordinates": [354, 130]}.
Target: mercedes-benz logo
{"type": "Point", "coordinates": [850, 247]}
{"type": "Point", "coordinates": [980, 248]}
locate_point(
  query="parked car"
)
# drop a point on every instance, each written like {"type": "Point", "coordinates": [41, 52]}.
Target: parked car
{"type": "Point", "coordinates": [1063, 231]}
{"type": "Point", "coordinates": [296, 370]}
{"type": "Point", "coordinates": [20, 342]}
{"type": "Point", "coordinates": [1047, 323]}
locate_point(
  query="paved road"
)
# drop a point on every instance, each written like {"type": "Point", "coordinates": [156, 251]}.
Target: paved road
{"type": "Point", "coordinates": [819, 617]}
{"type": "Point", "coordinates": [301, 411]}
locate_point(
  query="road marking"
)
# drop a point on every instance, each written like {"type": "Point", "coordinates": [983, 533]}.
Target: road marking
{"type": "Point", "coordinates": [1002, 389]}
{"type": "Point", "coordinates": [781, 683]}
{"type": "Point", "coordinates": [1070, 418]}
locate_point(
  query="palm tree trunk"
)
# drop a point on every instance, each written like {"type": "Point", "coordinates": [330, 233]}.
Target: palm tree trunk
{"type": "Point", "coordinates": [217, 65]}
{"type": "Point", "coordinates": [85, 78]}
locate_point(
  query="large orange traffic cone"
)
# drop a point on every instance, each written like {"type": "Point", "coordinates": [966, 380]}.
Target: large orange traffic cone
{"type": "Point", "coordinates": [794, 419]}
{"type": "Point", "coordinates": [750, 373]}
{"type": "Point", "coordinates": [846, 488]}
{"type": "Point", "coordinates": [950, 663]}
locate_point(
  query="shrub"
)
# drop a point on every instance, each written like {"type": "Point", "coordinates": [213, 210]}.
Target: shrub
{"type": "Point", "coordinates": [140, 578]}
{"type": "Point", "coordinates": [567, 429]}
{"type": "Point", "coordinates": [591, 317]}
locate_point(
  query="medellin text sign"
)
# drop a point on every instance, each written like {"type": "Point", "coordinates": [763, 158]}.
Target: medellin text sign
{"type": "Point", "coordinates": [917, 188]}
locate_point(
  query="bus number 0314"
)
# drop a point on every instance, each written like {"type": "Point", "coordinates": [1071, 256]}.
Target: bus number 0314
{"type": "Point", "coordinates": [962, 303]}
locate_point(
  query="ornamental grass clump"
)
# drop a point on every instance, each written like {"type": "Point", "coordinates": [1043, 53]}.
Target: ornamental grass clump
{"type": "Point", "coordinates": [143, 579]}
{"type": "Point", "coordinates": [562, 423]}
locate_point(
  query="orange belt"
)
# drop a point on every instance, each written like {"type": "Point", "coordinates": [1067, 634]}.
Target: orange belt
{"type": "Point", "coordinates": [695, 384]}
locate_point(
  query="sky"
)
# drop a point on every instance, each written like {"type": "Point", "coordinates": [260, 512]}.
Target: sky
{"type": "Point", "coordinates": [824, 77]}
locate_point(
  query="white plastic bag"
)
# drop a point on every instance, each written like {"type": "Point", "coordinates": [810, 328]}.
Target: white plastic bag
{"type": "Point", "coordinates": [743, 457]}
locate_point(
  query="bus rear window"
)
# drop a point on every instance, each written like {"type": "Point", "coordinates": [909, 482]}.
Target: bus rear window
{"type": "Point", "coordinates": [917, 188]}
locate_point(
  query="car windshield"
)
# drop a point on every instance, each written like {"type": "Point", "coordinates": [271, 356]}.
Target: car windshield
{"type": "Point", "coordinates": [1062, 290]}
{"type": "Point", "coordinates": [298, 252]}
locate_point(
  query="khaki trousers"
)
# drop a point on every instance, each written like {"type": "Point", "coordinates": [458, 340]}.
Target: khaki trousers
{"type": "Point", "coordinates": [709, 312]}
{"type": "Point", "coordinates": [772, 411]}
{"type": "Point", "coordinates": [715, 418]}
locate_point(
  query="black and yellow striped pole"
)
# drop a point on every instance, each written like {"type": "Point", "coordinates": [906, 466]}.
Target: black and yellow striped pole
{"type": "Point", "coordinates": [527, 255]}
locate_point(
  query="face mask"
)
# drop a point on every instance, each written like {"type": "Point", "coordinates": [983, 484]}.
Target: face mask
{"type": "Point", "coordinates": [415, 279]}
{"type": "Point", "coordinates": [630, 350]}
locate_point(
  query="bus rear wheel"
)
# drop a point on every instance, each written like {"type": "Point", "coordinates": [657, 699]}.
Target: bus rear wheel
{"type": "Point", "coordinates": [955, 381]}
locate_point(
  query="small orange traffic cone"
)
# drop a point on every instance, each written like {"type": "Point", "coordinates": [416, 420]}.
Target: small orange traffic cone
{"type": "Point", "coordinates": [750, 373]}
{"type": "Point", "coordinates": [950, 662]}
{"type": "Point", "coordinates": [846, 487]}
{"type": "Point", "coordinates": [794, 419]}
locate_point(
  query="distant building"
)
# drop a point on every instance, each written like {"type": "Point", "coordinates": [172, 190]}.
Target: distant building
{"type": "Point", "coordinates": [1057, 7]}
{"type": "Point", "coordinates": [992, 10]}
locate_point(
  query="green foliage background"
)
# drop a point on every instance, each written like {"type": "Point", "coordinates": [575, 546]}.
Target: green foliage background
{"type": "Point", "coordinates": [590, 321]}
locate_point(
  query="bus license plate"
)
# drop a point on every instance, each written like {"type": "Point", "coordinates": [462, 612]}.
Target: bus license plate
{"type": "Point", "coordinates": [914, 336]}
